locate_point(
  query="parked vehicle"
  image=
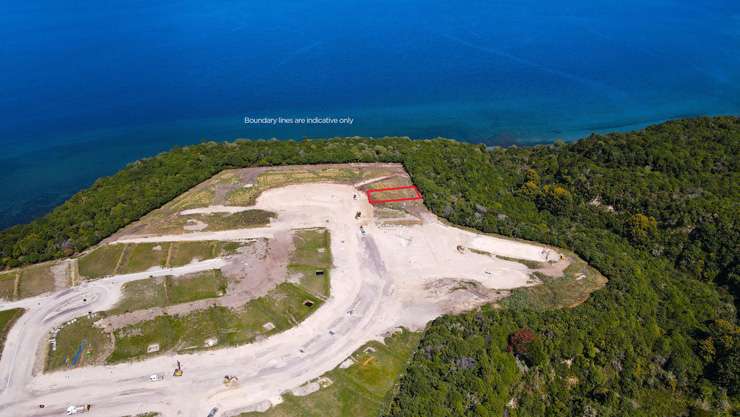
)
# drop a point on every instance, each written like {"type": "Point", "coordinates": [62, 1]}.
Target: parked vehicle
{"type": "Point", "coordinates": [78, 409]}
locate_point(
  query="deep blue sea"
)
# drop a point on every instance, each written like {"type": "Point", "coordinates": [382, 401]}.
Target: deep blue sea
{"type": "Point", "coordinates": [86, 87]}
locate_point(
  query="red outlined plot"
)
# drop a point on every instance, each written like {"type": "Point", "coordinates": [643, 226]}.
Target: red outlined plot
{"type": "Point", "coordinates": [372, 200]}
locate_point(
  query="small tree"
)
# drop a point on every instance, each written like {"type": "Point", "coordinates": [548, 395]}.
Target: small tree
{"type": "Point", "coordinates": [520, 340]}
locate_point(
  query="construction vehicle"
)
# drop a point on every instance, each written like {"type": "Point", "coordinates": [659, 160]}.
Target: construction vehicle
{"type": "Point", "coordinates": [362, 229]}
{"type": "Point", "coordinates": [230, 380]}
{"type": "Point", "coordinates": [358, 214]}
{"type": "Point", "coordinates": [178, 370]}
{"type": "Point", "coordinates": [78, 409]}
{"type": "Point", "coordinates": [156, 377]}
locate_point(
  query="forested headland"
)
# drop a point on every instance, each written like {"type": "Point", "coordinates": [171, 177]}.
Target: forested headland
{"type": "Point", "coordinates": [655, 211]}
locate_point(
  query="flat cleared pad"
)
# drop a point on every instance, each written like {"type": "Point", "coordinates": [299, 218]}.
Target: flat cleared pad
{"type": "Point", "coordinates": [311, 260]}
{"type": "Point", "coordinates": [7, 285]}
{"type": "Point", "coordinates": [166, 291]}
{"type": "Point", "coordinates": [114, 259]}
{"type": "Point", "coordinates": [27, 282]}
{"type": "Point", "coordinates": [241, 187]}
{"type": "Point", "coordinates": [359, 390]}
{"type": "Point", "coordinates": [102, 261]}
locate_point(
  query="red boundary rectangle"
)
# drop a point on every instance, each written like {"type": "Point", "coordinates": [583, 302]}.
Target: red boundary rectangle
{"type": "Point", "coordinates": [393, 200]}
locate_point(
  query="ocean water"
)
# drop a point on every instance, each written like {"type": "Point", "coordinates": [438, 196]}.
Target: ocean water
{"type": "Point", "coordinates": [86, 87]}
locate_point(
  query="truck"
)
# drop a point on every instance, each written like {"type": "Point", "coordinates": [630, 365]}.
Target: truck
{"type": "Point", "coordinates": [156, 377]}
{"type": "Point", "coordinates": [78, 409]}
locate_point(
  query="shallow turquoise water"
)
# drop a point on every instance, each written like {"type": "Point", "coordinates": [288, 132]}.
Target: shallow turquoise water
{"type": "Point", "coordinates": [86, 87]}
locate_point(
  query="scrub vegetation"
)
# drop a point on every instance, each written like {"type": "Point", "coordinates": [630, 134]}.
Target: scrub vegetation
{"type": "Point", "coordinates": [7, 319]}
{"type": "Point", "coordinates": [655, 211]}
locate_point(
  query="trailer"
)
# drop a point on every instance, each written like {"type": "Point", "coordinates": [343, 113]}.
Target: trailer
{"type": "Point", "coordinates": [78, 409]}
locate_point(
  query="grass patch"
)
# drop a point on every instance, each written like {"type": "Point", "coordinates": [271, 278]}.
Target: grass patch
{"type": "Point", "coordinates": [101, 261]}
{"type": "Point", "coordinates": [35, 280]}
{"type": "Point", "coordinates": [312, 255]}
{"type": "Point", "coordinates": [283, 306]}
{"type": "Point", "coordinates": [165, 291]}
{"type": "Point", "coordinates": [139, 257]}
{"type": "Point", "coordinates": [574, 287]}
{"type": "Point", "coordinates": [7, 320]}
{"type": "Point", "coordinates": [229, 221]}
{"type": "Point", "coordinates": [362, 390]}
{"type": "Point", "coordinates": [7, 285]}
{"type": "Point", "coordinates": [209, 284]}
{"type": "Point", "coordinates": [184, 253]}
{"type": "Point", "coordinates": [78, 337]}
{"type": "Point", "coordinates": [142, 256]}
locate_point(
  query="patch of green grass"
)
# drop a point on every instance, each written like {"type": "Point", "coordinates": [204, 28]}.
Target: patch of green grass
{"type": "Point", "coordinates": [7, 320]}
{"type": "Point", "coordinates": [574, 287]}
{"type": "Point", "coordinates": [165, 291]}
{"type": "Point", "coordinates": [101, 261]}
{"type": "Point", "coordinates": [362, 390]}
{"type": "Point", "coordinates": [186, 252]}
{"type": "Point", "coordinates": [228, 221]}
{"type": "Point", "coordinates": [283, 306]}
{"type": "Point", "coordinates": [142, 256]}
{"type": "Point", "coordinates": [7, 285]}
{"type": "Point", "coordinates": [71, 337]}
{"type": "Point", "coordinates": [312, 254]}
{"type": "Point", "coordinates": [141, 294]}
{"type": "Point", "coordinates": [209, 284]}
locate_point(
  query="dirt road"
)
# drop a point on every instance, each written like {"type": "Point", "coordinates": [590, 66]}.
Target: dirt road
{"type": "Point", "coordinates": [379, 282]}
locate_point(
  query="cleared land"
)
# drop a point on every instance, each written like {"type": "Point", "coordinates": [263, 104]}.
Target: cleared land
{"type": "Point", "coordinates": [114, 259]}
{"type": "Point", "coordinates": [277, 327]}
{"type": "Point", "coordinates": [27, 282]}
{"type": "Point", "coordinates": [281, 308]}
{"type": "Point", "coordinates": [573, 287]}
{"type": "Point", "coordinates": [165, 291]}
{"type": "Point", "coordinates": [360, 390]}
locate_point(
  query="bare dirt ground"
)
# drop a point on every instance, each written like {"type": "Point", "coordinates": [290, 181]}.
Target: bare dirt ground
{"type": "Point", "coordinates": [384, 276]}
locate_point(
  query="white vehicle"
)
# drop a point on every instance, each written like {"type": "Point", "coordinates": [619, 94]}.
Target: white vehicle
{"type": "Point", "coordinates": [156, 377]}
{"type": "Point", "coordinates": [78, 409]}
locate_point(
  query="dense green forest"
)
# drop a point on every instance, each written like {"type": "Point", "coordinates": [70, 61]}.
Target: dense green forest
{"type": "Point", "coordinates": [655, 211]}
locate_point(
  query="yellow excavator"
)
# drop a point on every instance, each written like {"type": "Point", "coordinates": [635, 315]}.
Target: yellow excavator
{"type": "Point", "coordinates": [178, 370]}
{"type": "Point", "coordinates": [230, 380]}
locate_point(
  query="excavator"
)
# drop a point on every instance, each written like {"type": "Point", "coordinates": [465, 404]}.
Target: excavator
{"type": "Point", "coordinates": [230, 380]}
{"type": "Point", "coordinates": [178, 370]}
